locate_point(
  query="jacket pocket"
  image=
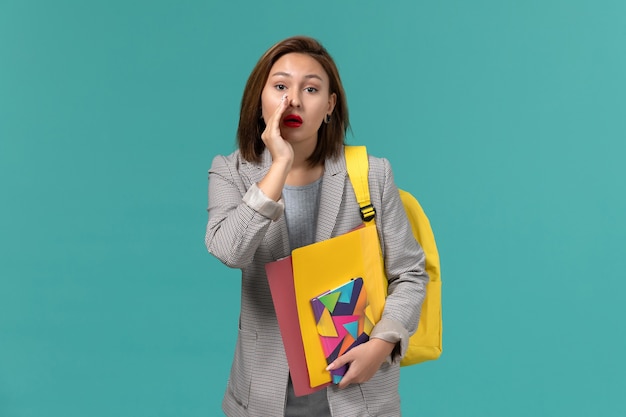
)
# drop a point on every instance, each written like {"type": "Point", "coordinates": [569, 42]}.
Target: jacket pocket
{"type": "Point", "coordinates": [241, 371]}
{"type": "Point", "coordinates": [380, 393]}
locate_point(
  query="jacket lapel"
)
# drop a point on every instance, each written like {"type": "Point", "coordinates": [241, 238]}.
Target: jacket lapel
{"type": "Point", "coordinates": [331, 197]}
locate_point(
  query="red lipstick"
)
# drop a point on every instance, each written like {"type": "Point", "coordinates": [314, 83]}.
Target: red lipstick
{"type": "Point", "coordinates": [292, 120]}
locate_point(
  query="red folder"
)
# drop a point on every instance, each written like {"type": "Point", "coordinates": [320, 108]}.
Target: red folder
{"type": "Point", "coordinates": [280, 278]}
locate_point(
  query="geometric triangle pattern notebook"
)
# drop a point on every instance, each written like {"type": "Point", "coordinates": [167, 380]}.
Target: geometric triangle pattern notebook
{"type": "Point", "coordinates": [344, 320]}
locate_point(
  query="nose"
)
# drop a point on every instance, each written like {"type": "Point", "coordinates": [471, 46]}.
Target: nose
{"type": "Point", "coordinates": [294, 100]}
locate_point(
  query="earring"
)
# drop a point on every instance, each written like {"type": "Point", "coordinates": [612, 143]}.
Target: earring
{"type": "Point", "coordinates": [327, 119]}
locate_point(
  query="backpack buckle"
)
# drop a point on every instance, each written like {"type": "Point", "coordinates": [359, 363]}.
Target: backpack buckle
{"type": "Point", "coordinates": [368, 213]}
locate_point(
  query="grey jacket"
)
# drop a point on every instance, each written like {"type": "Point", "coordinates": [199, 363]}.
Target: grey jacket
{"type": "Point", "coordinates": [246, 230]}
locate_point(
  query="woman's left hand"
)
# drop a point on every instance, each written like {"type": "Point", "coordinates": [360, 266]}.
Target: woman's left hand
{"type": "Point", "coordinates": [363, 361]}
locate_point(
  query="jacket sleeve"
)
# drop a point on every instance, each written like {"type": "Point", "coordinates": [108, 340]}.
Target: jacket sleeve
{"type": "Point", "coordinates": [238, 217]}
{"type": "Point", "coordinates": [405, 267]}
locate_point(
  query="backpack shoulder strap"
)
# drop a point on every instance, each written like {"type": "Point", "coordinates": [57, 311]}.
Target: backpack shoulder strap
{"type": "Point", "coordinates": [358, 167]}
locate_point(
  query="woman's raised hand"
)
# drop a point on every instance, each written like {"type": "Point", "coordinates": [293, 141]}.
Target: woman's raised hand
{"type": "Point", "coordinates": [279, 148]}
{"type": "Point", "coordinates": [281, 151]}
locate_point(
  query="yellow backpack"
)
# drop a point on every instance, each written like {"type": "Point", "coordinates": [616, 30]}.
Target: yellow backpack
{"type": "Point", "coordinates": [425, 344]}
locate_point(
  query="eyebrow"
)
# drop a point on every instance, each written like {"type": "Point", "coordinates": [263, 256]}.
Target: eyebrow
{"type": "Point", "coordinates": [286, 74]}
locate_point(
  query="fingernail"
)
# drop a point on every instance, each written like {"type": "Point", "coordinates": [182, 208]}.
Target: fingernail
{"type": "Point", "coordinates": [284, 97]}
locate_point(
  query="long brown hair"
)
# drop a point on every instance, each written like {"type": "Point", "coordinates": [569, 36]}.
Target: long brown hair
{"type": "Point", "coordinates": [330, 136]}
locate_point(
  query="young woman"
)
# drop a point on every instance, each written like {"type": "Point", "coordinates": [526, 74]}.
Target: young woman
{"type": "Point", "coordinates": [285, 187]}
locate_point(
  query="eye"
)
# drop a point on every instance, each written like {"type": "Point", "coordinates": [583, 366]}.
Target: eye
{"type": "Point", "coordinates": [280, 87]}
{"type": "Point", "coordinates": [311, 90]}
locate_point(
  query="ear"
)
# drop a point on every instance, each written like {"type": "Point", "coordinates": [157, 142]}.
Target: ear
{"type": "Point", "coordinates": [332, 100]}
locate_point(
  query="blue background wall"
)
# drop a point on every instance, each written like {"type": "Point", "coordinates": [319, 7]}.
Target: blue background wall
{"type": "Point", "coordinates": [506, 119]}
